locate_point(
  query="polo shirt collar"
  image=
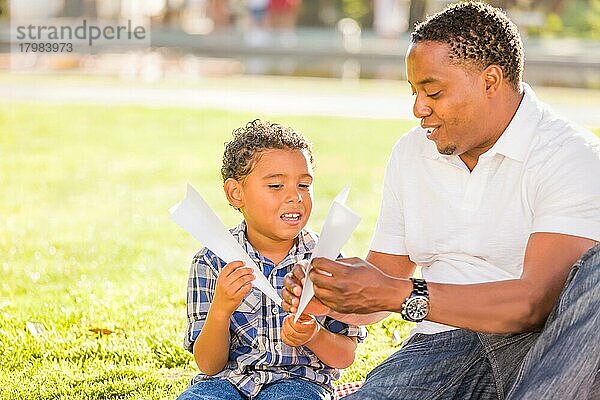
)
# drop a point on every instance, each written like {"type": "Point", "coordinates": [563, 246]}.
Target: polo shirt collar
{"type": "Point", "coordinates": [516, 138]}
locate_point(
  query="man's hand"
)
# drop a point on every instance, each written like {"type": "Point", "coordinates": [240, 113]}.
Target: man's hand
{"type": "Point", "coordinates": [299, 333]}
{"type": "Point", "coordinates": [352, 285]}
{"type": "Point", "coordinates": [293, 282]}
{"type": "Point", "coordinates": [233, 284]}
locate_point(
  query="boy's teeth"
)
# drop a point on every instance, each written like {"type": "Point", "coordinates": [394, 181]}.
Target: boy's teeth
{"type": "Point", "coordinates": [291, 216]}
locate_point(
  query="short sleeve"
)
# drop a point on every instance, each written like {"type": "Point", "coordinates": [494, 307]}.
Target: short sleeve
{"type": "Point", "coordinates": [567, 191]}
{"type": "Point", "coordinates": [335, 326]}
{"type": "Point", "coordinates": [389, 236]}
{"type": "Point", "coordinates": [200, 293]}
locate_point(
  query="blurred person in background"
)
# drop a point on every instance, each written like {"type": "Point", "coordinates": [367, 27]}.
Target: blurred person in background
{"type": "Point", "coordinates": [283, 14]}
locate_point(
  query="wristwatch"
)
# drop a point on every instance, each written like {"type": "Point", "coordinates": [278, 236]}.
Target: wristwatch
{"type": "Point", "coordinates": [416, 306]}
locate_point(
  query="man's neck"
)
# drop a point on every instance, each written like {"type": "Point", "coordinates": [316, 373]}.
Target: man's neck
{"type": "Point", "coordinates": [505, 109]}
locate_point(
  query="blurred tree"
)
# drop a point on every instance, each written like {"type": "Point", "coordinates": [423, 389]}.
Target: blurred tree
{"type": "Point", "coordinates": [355, 9]}
{"type": "Point", "coordinates": [579, 18]}
{"type": "Point", "coordinates": [3, 9]}
{"type": "Point", "coordinates": [329, 12]}
{"type": "Point", "coordinates": [576, 18]}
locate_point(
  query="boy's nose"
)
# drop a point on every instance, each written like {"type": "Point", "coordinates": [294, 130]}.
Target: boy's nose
{"type": "Point", "coordinates": [294, 196]}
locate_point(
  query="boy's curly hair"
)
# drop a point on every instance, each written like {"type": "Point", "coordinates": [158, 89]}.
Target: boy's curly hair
{"type": "Point", "coordinates": [478, 35]}
{"type": "Point", "coordinates": [250, 140]}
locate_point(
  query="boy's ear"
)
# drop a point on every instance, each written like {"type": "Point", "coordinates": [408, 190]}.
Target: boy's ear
{"type": "Point", "coordinates": [234, 192]}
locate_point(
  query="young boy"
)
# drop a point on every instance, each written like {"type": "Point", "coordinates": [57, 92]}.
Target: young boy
{"type": "Point", "coordinates": [245, 345]}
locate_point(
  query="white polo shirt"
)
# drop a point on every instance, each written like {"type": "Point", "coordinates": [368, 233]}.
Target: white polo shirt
{"type": "Point", "coordinates": [542, 175]}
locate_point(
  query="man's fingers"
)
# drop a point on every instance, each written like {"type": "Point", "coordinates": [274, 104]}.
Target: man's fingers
{"type": "Point", "coordinates": [326, 296]}
{"type": "Point", "coordinates": [321, 280]}
{"type": "Point", "coordinates": [328, 267]}
{"type": "Point", "coordinates": [350, 261]}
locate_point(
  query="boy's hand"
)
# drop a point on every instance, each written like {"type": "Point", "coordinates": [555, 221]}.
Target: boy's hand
{"type": "Point", "coordinates": [293, 284]}
{"type": "Point", "coordinates": [233, 284]}
{"type": "Point", "coordinates": [301, 332]}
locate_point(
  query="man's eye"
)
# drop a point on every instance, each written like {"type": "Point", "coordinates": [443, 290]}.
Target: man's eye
{"type": "Point", "coordinates": [434, 95]}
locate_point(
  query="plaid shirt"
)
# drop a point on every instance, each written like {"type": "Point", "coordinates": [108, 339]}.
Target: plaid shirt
{"type": "Point", "coordinates": [257, 355]}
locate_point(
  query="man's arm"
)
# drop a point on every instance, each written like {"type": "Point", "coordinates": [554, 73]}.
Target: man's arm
{"type": "Point", "coordinates": [395, 266]}
{"type": "Point", "coordinates": [518, 305]}
{"type": "Point", "coordinates": [389, 265]}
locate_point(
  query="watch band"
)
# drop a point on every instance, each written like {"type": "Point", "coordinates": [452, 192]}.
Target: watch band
{"type": "Point", "coordinates": [419, 287]}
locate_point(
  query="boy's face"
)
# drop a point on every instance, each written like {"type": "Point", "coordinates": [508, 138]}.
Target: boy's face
{"type": "Point", "coordinates": [276, 198]}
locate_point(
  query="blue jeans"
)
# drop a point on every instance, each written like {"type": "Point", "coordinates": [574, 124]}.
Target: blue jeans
{"type": "Point", "coordinates": [561, 362]}
{"type": "Point", "coordinates": [286, 389]}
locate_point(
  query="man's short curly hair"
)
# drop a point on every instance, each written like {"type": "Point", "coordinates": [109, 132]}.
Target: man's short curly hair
{"type": "Point", "coordinates": [249, 141]}
{"type": "Point", "coordinates": [478, 35]}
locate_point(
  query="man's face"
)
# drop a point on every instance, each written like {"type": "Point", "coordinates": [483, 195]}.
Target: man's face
{"type": "Point", "coordinates": [450, 99]}
{"type": "Point", "coordinates": [277, 197]}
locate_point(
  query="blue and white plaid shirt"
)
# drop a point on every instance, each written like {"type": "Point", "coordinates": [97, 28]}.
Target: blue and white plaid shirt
{"type": "Point", "coordinates": [257, 355]}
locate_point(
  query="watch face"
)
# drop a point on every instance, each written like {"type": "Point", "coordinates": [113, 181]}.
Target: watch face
{"type": "Point", "coordinates": [417, 308]}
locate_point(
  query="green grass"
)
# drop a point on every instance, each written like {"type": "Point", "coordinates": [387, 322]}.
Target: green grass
{"type": "Point", "coordinates": [87, 244]}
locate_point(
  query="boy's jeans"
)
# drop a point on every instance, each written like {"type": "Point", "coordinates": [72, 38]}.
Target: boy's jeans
{"type": "Point", "coordinates": [561, 362]}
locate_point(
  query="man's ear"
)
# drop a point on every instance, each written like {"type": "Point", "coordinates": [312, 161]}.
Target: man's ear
{"type": "Point", "coordinates": [493, 78]}
{"type": "Point", "coordinates": [234, 192]}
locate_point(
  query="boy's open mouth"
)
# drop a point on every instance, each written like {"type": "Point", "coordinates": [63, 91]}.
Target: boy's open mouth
{"type": "Point", "coordinates": [291, 216]}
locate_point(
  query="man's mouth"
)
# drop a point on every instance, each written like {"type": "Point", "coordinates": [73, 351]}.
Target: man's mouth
{"type": "Point", "coordinates": [431, 133]}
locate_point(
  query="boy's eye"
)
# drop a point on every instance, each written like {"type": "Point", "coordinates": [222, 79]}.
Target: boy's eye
{"type": "Point", "coordinates": [275, 186]}
{"type": "Point", "coordinates": [304, 186]}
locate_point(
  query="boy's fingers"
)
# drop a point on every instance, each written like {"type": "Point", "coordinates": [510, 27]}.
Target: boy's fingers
{"type": "Point", "coordinates": [231, 267]}
{"type": "Point", "coordinates": [298, 271]}
{"type": "Point", "coordinates": [288, 298]}
{"type": "Point", "coordinates": [292, 285]}
{"type": "Point", "coordinates": [285, 304]}
{"type": "Point", "coordinates": [304, 318]}
{"type": "Point", "coordinates": [244, 290]}
{"type": "Point", "coordinates": [240, 281]}
{"type": "Point", "coordinates": [239, 272]}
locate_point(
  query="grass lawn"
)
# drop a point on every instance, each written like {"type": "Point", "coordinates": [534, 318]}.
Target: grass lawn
{"type": "Point", "coordinates": [92, 295]}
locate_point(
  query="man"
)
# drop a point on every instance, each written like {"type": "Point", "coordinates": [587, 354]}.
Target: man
{"type": "Point", "coordinates": [495, 198]}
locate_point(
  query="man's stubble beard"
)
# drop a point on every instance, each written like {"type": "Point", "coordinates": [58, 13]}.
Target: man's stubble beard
{"type": "Point", "coordinates": [448, 150]}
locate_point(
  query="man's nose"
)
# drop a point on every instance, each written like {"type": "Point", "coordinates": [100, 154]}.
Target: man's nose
{"type": "Point", "coordinates": [421, 109]}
